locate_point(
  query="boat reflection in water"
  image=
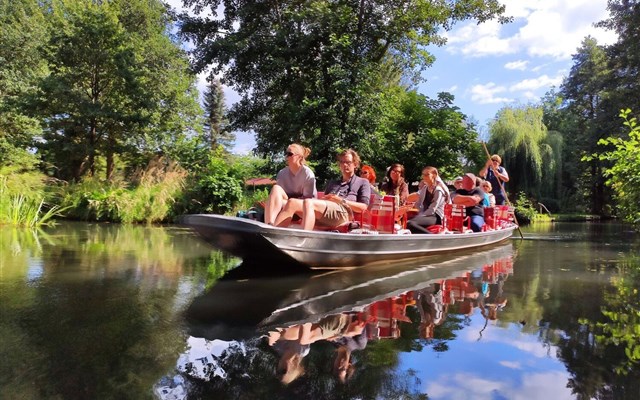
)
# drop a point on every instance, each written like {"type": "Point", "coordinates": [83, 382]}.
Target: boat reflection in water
{"type": "Point", "coordinates": [281, 321]}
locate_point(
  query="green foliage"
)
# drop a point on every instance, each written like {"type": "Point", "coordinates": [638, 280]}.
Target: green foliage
{"type": "Point", "coordinates": [313, 72]}
{"type": "Point", "coordinates": [22, 32]}
{"type": "Point", "coordinates": [150, 200]}
{"type": "Point", "coordinates": [624, 174]}
{"type": "Point", "coordinates": [118, 86]}
{"type": "Point", "coordinates": [215, 189]}
{"type": "Point", "coordinates": [22, 201]}
{"type": "Point", "coordinates": [418, 131]}
{"type": "Point", "coordinates": [521, 138]}
{"type": "Point", "coordinates": [216, 122]}
{"type": "Point", "coordinates": [524, 209]}
{"type": "Point", "coordinates": [250, 197]}
{"type": "Point", "coordinates": [586, 96]}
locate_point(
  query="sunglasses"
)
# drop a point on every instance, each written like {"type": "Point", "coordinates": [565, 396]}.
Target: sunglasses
{"type": "Point", "coordinates": [288, 154]}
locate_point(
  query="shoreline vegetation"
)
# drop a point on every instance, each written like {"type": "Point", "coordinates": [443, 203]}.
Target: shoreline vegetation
{"type": "Point", "coordinates": [135, 143]}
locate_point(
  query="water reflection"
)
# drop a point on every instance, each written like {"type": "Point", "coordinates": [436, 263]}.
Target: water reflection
{"type": "Point", "coordinates": [91, 310]}
{"type": "Point", "coordinates": [296, 318]}
{"type": "Point", "coordinates": [108, 311]}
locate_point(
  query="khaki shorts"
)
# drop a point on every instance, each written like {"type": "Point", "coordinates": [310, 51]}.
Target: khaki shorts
{"type": "Point", "coordinates": [335, 214]}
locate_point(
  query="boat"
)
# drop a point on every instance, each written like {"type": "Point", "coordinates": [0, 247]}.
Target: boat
{"type": "Point", "coordinates": [256, 241]}
{"type": "Point", "coordinates": [234, 309]}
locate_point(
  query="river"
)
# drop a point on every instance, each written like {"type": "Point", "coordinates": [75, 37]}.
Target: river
{"type": "Point", "coordinates": [103, 311]}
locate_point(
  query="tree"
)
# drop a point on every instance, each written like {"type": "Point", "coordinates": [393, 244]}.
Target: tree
{"type": "Point", "coordinates": [118, 87]}
{"type": "Point", "coordinates": [215, 117]}
{"type": "Point", "coordinates": [309, 71]}
{"type": "Point", "coordinates": [624, 55]}
{"type": "Point", "coordinates": [418, 131]}
{"type": "Point", "coordinates": [521, 138]}
{"type": "Point", "coordinates": [22, 31]}
{"type": "Point", "coordinates": [585, 94]}
{"type": "Point", "coordinates": [624, 175]}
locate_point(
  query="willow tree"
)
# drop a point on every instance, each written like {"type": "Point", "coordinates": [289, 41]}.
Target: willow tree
{"type": "Point", "coordinates": [528, 153]}
{"type": "Point", "coordinates": [308, 71]}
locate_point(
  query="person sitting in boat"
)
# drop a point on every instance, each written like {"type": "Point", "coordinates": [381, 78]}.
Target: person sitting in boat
{"type": "Point", "coordinates": [486, 201]}
{"type": "Point", "coordinates": [369, 174]}
{"type": "Point", "coordinates": [471, 197]}
{"type": "Point", "coordinates": [430, 204]}
{"type": "Point", "coordinates": [395, 184]}
{"type": "Point", "coordinates": [486, 187]}
{"type": "Point", "coordinates": [294, 183]}
{"type": "Point", "coordinates": [342, 197]}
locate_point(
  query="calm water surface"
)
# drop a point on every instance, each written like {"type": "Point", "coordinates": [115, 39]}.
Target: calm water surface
{"type": "Point", "coordinates": [126, 312]}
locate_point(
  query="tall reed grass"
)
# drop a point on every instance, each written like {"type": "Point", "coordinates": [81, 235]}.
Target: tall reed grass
{"type": "Point", "coordinates": [25, 209]}
{"type": "Point", "coordinates": [148, 199]}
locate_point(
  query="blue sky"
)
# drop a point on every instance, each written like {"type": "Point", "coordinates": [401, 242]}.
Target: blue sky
{"type": "Point", "coordinates": [489, 66]}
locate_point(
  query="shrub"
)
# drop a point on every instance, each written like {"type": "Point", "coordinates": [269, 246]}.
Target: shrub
{"type": "Point", "coordinates": [524, 209]}
{"type": "Point", "coordinates": [216, 189]}
{"type": "Point", "coordinates": [150, 198]}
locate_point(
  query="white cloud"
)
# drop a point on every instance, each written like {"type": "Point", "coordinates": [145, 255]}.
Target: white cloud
{"type": "Point", "coordinates": [519, 65]}
{"type": "Point", "coordinates": [536, 83]}
{"type": "Point", "coordinates": [546, 29]}
{"type": "Point", "coordinates": [542, 386]}
{"type": "Point", "coordinates": [452, 89]}
{"type": "Point", "coordinates": [510, 364]}
{"type": "Point", "coordinates": [487, 94]}
{"type": "Point", "coordinates": [474, 40]}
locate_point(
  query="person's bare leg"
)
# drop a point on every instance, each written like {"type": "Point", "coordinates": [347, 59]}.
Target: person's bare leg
{"type": "Point", "coordinates": [274, 204]}
{"type": "Point", "coordinates": [311, 208]}
{"type": "Point", "coordinates": [291, 207]}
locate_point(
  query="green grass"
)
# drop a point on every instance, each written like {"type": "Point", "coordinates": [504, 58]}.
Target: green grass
{"type": "Point", "coordinates": [28, 210]}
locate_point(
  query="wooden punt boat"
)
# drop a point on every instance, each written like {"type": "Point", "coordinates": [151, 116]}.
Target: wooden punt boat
{"type": "Point", "coordinates": [256, 241]}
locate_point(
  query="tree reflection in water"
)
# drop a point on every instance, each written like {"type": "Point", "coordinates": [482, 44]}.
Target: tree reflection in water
{"type": "Point", "coordinates": [310, 359]}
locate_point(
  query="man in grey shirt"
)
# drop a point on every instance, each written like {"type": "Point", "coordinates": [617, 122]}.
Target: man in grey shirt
{"type": "Point", "coordinates": [342, 197]}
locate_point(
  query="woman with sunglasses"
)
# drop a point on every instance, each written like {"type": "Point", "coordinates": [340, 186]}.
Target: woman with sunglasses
{"type": "Point", "coordinates": [496, 174]}
{"type": "Point", "coordinates": [294, 183]}
{"type": "Point", "coordinates": [369, 174]}
{"type": "Point", "coordinates": [395, 183]}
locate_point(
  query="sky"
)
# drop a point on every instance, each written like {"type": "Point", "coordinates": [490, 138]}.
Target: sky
{"type": "Point", "coordinates": [490, 66]}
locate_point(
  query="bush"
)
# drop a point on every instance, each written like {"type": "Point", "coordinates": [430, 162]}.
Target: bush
{"type": "Point", "coordinates": [216, 189]}
{"type": "Point", "coordinates": [150, 198]}
{"type": "Point", "coordinates": [524, 209]}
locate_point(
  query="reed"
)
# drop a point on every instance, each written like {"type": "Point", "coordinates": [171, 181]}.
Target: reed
{"type": "Point", "coordinates": [25, 210]}
{"type": "Point", "coordinates": [149, 199]}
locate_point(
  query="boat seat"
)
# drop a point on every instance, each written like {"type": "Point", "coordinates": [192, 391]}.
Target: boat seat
{"type": "Point", "coordinates": [503, 215]}
{"type": "Point", "coordinates": [381, 214]}
{"type": "Point", "coordinates": [455, 217]}
{"type": "Point", "coordinates": [489, 218]}
{"type": "Point", "coordinates": [498, 217]}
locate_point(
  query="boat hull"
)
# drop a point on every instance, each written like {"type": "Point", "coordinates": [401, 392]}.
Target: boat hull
{"type": "Point", "coordinates": [252, 240]}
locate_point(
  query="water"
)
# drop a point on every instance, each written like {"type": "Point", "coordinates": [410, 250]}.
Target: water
{"type": "Point", "coordinates": [91, 311]}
